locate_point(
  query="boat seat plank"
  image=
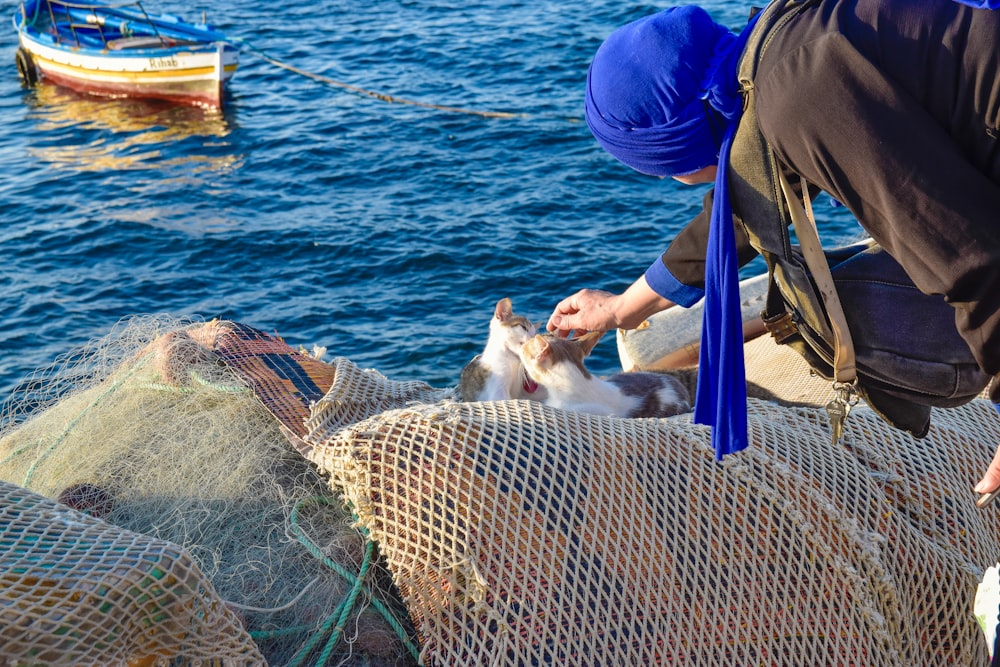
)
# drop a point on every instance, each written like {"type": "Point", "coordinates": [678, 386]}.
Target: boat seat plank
{"type": "Point", "coordinates": [141, 42]}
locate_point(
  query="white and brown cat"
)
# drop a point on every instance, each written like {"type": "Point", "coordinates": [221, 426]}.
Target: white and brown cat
{"type": "Point", "coordinates": [557, 365]}
{"type": "Point", "coordinates": [497, 374]}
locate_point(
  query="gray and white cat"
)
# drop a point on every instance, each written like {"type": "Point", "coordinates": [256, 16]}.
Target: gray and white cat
{"type": "Point", "coordinates": [497, 374]}
{"type": "Point", "coordinates": [557, 365]}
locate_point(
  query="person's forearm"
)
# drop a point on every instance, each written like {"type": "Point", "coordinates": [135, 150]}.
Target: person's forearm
{"type": "Point", "coordinates": [637, 303]}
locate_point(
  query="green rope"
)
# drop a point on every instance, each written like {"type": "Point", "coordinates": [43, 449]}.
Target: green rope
{"type": "Point", "coordinates": [348, 604]}
{"type": "Point", "coordinates": [339, 616]}
{"type": "Point", "coordinates": [275, 634]}
{"type": "Point", "coordinates": [346, 574]}
{"type": "Point", "coordinates": [221, 388]}
{"type": "Point", "coordinates": [197, 378]}
{"type": "Point", "coordinates": [342, 613]}
{"type": "Point", "coordinates": [163, 386]}
{"type": "Point", "coordinates": [300, 534]}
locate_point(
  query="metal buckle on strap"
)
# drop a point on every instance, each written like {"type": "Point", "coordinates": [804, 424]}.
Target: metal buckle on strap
{"type": "Point", "coordinates": [780, 326]}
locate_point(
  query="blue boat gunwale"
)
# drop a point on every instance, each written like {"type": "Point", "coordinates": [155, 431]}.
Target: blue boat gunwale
{"type": "Point", "coordinates": [94, 29]}
{"type": "Point", "coordinates": [156, 51]}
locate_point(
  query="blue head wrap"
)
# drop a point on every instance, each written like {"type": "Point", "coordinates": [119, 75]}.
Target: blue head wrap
{"type": "Point", "coordinates": [654, 90]}
{"type": "Point", "coordinates": [647, 89]}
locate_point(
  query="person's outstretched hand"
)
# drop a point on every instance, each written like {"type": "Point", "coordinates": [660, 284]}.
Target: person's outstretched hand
{"type": "Point", "coordinates": [587, 310]}
{"type": "Point", "coordinates": [991, 480]}
{"type": "Point", "coordinates": [597, 310]}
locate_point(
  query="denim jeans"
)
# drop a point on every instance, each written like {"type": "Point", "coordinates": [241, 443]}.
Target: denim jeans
{"type": "Point", "coordinates": [903, 337]}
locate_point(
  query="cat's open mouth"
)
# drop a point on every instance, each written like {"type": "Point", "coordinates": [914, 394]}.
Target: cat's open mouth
{"type": "Point", "coordinates": [529, 385]}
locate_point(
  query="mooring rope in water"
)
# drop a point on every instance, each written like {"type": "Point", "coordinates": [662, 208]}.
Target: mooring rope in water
{"type": "Point", "coordinates": [391, 99]}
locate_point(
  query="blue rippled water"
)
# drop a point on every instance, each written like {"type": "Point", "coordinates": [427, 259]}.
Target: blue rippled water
{"type": "Point", "coordinates": [383, 231]}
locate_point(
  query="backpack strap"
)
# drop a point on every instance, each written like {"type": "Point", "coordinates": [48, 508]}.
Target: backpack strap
{"type": "Point", "coordinates": [844, 369]}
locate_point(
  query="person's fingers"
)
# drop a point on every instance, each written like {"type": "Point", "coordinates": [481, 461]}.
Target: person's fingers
{"type": "Point", "coordinates": [991, 480]}
{"type": "Point", "coordinates": [571, 304]}
{"type": "Point", "coordinates": [563, 315]}
{"type": "Point", "coordinates": [587, 310]}
{"type": "Point", "coordinates": [563, 326]}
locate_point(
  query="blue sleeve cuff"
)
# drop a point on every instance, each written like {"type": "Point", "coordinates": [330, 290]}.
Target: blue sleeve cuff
{"type": "Point", "coordinates": [997, 406]}
{"type": "Point", "coordinates": [981, 4]}
{"type": "Point", "coordinates": [661, 281]}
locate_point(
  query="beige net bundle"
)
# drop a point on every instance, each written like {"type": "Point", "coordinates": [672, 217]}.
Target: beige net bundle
{"type": "Point", "coordinates": [520, 534]}
{"type": "Point", "coordinates": [79, 591]}
{"type": "Point", "coordinates": [148, 433]}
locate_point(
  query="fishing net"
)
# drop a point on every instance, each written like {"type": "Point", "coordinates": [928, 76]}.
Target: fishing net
{"type": "Point", "coordinates": [171, 455]}
{"type": "Point", "coordinates": [521, 534]}
{"type": "Point", "coordinates": [515, 533]}
{"type": "Point", "coordinates": [79, 591]}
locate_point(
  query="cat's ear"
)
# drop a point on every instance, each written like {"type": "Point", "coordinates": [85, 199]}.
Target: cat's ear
{"type": "Point", "coordinates": [541, 347]}
{"type": "Point", "coordinates": [587, 341]}
{"type": "Point", "coordinates": [504, 309]}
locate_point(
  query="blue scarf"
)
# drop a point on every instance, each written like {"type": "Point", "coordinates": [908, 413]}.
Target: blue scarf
{"type": "Point", "coordinates": [647, 93]}
{"type": "Point", "coordinates": [721, 397]}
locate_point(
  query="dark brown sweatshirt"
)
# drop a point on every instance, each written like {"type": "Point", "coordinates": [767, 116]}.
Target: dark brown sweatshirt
{"type": "Point", "coordinates": [893, 108]}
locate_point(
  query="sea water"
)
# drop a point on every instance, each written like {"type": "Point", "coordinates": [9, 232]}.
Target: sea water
{"type": "Point", "coordinates": [314, 207]}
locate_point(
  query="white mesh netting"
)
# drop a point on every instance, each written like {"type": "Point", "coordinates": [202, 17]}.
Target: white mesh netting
{"type": "Point", "coordinates": [520, 534]}
{"type": "Point", "coordinates": [79, 591]}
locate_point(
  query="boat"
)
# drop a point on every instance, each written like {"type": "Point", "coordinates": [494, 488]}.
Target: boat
{"type": "Point", "coordinates": [671, 338]}
{"type": "Point", "coordinates": [120, 50]}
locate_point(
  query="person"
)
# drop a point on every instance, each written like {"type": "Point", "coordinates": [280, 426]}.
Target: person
{"type": "Point", "coordinates": [891, 107]}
